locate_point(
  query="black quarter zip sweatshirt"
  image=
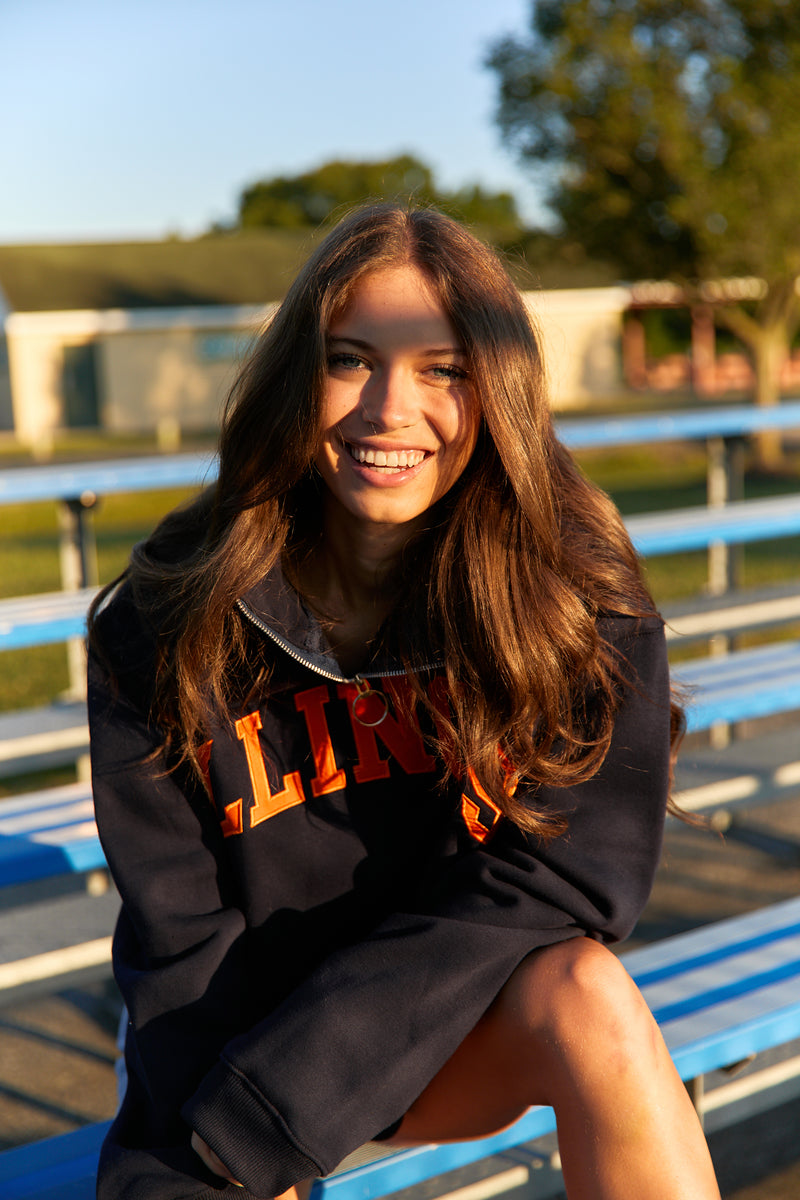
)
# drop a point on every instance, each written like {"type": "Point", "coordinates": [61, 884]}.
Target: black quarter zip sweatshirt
{"type": "Point", "coordinates": [303, 945]}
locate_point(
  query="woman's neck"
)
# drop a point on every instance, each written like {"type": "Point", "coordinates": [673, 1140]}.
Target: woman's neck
{"type": "Point", "coordinates": [350, 579]}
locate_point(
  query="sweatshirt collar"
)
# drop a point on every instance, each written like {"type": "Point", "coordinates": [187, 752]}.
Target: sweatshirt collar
{"type": "Point", "coordinates": [275, 607]}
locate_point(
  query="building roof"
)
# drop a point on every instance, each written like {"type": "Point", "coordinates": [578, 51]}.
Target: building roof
{"type": "Point", "coordinates": [243, 268]}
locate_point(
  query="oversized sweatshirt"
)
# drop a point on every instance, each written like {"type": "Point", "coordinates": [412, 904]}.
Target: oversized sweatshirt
{"type": "Point", "coordinates": [305, 940]}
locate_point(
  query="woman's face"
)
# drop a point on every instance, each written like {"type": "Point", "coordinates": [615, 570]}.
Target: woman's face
{"type": "Point", "coordinates": [400, 418]}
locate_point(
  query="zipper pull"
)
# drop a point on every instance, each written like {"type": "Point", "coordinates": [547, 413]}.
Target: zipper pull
{"type": "Point", "coordinates": [370, 707]}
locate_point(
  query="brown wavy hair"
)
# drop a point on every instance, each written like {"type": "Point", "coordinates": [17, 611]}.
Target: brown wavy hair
{"type": "Point", "coordinates": [504, 587]}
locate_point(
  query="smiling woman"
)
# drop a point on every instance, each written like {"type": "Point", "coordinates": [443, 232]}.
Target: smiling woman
{"type": "Point", "coordinates": [381, 740]}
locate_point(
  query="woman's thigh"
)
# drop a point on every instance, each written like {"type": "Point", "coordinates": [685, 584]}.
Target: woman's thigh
{"type": "Point", "coordinates": [495, 1074]}
{"type": "Point", "coordinates": [569, 1018]}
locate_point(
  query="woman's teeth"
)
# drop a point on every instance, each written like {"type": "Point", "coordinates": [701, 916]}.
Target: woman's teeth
{"type": "Point", "coordinates": [393, 459]}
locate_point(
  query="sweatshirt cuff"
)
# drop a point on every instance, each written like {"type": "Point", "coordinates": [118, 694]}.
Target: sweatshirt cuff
{"type": "Point", "coordinates": [250, 1137]}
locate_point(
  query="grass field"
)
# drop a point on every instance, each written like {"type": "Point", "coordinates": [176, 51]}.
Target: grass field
{"type": "Point", "coordinates": [640, 480]}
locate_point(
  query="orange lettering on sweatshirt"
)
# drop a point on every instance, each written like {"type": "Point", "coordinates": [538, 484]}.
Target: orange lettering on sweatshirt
{"type": "Point", "coordinates": [471, 812]}
{"type": "Point", "coordinates": [328, 777]}
{"type": "Point", "coordinates": [266, 804]}
{"type": "Point", "coordinates": [233, 819]}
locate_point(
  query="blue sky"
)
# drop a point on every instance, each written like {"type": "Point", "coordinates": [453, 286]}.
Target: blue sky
{"type": "Point", "coordinates": [139, 118]}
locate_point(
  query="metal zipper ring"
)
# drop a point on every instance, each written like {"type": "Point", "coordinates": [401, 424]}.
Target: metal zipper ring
{"type": "Point", "coordinates": [366, 693]}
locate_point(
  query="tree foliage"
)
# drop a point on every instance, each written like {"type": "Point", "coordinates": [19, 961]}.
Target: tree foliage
{"type": "Point", "coordinates": [672, 123]}
{"type": "Point", "coordinates": [298, 201]}
{"type": "Point", "coordinates": [669, 132]}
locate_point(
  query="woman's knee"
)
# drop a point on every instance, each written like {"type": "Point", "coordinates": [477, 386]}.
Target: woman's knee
{"type": "Point", "coordinates": [575, 1000]}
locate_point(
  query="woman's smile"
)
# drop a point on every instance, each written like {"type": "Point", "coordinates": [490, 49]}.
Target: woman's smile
{"type": "Point", "coordinates": [384, 459]}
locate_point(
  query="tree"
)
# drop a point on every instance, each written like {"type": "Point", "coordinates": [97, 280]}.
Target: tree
{"type": "Point", "coordinates": [669, 132]}
{"type": "Point", "coordinates": [306, 200]}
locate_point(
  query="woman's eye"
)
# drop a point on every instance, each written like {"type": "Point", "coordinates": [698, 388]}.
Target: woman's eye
{"type": "Point", "coordinates": [450, 372]}
{"type": "Point", "coordinates": [348, 362]}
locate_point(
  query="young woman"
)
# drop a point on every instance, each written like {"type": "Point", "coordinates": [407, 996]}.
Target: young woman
{"type": "Point", "coordinates": [381, 732]}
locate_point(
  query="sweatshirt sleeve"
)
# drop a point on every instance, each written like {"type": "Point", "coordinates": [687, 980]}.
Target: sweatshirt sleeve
{"type": "Point", "coordinates": [354, 1045]}
{"type": "Point", "coordinates": [179, 942]}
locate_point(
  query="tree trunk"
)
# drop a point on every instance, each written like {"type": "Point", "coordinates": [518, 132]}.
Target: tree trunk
{"type": "Point", "coordinates": [768, 336]}
{"type": "Point", "coordinates": [770, 351]}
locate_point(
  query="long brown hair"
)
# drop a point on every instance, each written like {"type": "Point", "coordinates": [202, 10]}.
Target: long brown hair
{"type": "Point", "coordinates": [519, 559]}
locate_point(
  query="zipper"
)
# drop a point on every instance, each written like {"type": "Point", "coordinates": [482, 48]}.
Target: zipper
{"type": "Point", "coordinates": [294, 653]}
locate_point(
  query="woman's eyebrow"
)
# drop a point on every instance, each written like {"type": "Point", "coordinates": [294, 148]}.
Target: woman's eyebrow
{"type": "Point", "coordinates": [433, 352]}
{"type": "Point", "coordinates": [351, 341]}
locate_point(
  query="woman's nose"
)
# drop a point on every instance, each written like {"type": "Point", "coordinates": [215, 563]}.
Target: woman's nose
{"type": "Point", "coordinates": [388, 401]}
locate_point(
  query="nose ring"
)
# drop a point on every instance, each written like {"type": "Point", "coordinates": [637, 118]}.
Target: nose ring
{"type": "Point", "coordinates": [371, 424]}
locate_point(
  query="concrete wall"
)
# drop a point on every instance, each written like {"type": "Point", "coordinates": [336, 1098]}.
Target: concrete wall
{"type": "Point", "coordinates": [581, 332]}
{"type": "Point", "coordinates": [156, 369]}
{"type": "Point", "coordinates": [168, 370]}
{"type": "Point", "coordinates": [177, 376]}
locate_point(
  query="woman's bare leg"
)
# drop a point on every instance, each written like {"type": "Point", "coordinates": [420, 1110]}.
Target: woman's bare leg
{"type": "Point", "coordinates": [298, 1192]}
{"type": "Point", "coordinates": [571, 1029]}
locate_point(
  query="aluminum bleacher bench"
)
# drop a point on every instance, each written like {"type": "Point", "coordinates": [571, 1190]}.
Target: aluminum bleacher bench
{"type": "Point", "coordinates": [702, 617]}
{"type": "Point", "coordinates": [721, 994]}
{"type": "Point", "coordinates": [56, 735]}
{"type": "Point", "coordinates": [696, 528]}
{"type": "Point", "coordinates": [43, 619]}
{"type": "Point", "coordinates": [742, 686]}
{"type": "Point", "coordinates": [68, 481]}
{"type": "Point", "coordinates": [48, 833]}
{"type": "Point", "coordinates": [736, 421]}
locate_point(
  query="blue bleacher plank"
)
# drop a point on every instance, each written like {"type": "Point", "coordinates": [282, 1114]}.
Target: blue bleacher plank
{"type": "Point", "coordinates": [715, 954]}
{"type": "Point", "coordinates": [731, 990]}
{"type": "Point", "coordinates": [42, 619]}
{"type": "Point", "coordinates": [742, 686]}
{"type": "Point", "coordinates": [731, 935]}
{"type": "Point", "coordinates": [71, 481]}
{"type": "Point", "coordinates": [673, 426]}
{"type": "Point", "coordinates": [25, 861]}
{"type": "Point", "coordinates": [63, 1166]}
{"type": "Point", "coordinates": [408, 1167]}
{"type": "Point", "coordinates": [733, 1042]}
{"type": "Point", "coordinates": [48, 833]}
{"type": "Point", "coordinates": [696, 528]}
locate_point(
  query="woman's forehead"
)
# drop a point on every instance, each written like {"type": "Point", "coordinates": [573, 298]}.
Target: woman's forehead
{"type": "Point", "coordinates": [397, 302]}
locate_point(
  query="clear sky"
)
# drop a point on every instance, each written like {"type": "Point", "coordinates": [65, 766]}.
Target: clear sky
{"type": "Point", "coordinates": [139, 118]}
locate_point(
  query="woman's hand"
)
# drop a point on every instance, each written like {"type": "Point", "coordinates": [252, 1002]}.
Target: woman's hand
{"type": "Point", "coordinates": [211, 1160]}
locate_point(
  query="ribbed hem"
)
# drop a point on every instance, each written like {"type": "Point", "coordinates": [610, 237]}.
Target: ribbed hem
{"type": "Point", "coordinates": [247, 1133]}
